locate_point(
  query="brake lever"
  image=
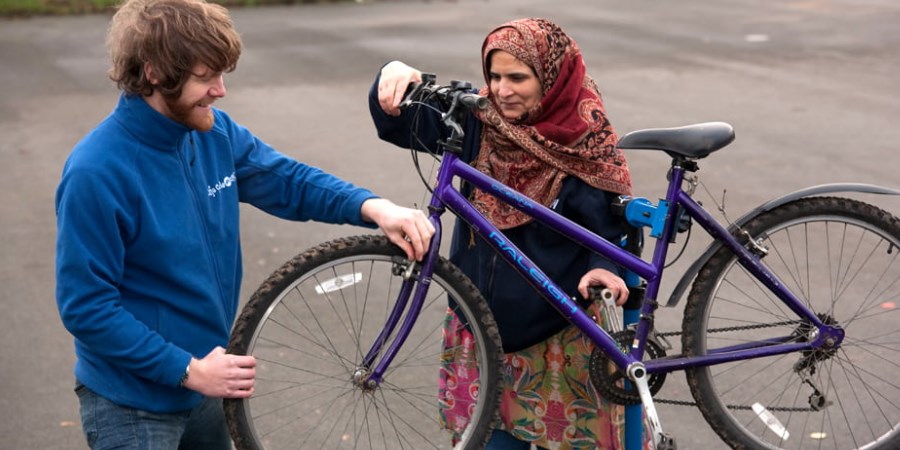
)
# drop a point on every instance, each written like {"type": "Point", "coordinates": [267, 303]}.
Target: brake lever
{"type": "Point", "coordinates": [412, 93]}
{"type": "Point", "coordinates": [414, 90]}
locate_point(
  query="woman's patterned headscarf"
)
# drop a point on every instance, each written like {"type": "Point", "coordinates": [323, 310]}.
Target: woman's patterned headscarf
{"type": "Point", "coordinates": [566, 133]}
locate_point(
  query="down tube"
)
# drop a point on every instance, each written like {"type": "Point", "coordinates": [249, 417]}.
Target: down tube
{"type": "Point", "coordinates": [539, 212]}
{"type": "Point", "coordinates": [552, 292]}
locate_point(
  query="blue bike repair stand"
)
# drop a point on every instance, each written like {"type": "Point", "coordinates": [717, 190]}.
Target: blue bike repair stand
{"type": "Point", "coordinates": [631, 312]}
{"type": "Point", "coordinates": [634, 414]}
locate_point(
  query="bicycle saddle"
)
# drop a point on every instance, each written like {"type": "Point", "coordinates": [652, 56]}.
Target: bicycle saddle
{"type": "Point", "coordinates": [692, 141]}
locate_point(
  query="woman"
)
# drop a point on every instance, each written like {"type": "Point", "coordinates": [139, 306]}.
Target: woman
{"type": "Point", "coordinates": [545, 134]}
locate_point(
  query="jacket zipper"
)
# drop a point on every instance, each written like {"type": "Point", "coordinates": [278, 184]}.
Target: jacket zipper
{"type": "Point", "coordinates": [201, 216]}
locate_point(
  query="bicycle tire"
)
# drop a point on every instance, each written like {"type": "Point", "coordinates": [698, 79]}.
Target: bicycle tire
{"type": "Point", "coordinates": [309, 326]}
{"type": "Point", "coordinates": [840, 256]}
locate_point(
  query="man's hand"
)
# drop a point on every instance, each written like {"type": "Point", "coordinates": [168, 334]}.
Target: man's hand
{"type": "Point", "coordinates": [222, 375]}
{"type": "Point", "coordinates": [409, 228]}
{"type": "Point", "coordinates": [607, 279]}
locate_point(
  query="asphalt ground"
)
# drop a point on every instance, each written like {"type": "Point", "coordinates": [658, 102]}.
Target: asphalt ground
{"type": "Point", "coordinates": [811, 88]}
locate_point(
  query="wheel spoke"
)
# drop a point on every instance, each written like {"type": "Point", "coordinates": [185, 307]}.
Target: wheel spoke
{"type": "Point", "coordinates": [840, 258]}
{"type": "Point", "coordinates": [312, 325]}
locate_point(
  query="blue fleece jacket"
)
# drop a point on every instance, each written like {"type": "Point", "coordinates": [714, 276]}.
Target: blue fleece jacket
{"type": "Point", "coordinates": [148, 263]}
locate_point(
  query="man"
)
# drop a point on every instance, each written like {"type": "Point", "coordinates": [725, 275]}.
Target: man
{"type": "Point", "coordinates": [148, 254]}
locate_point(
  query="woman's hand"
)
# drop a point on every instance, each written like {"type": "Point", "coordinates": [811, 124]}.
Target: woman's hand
{"type": "Point", "coordinates": [409, 228]}
{"type": "Point", "coordinates": [607, 279]}
{"type": "Point", "coordinates": [395, 78]}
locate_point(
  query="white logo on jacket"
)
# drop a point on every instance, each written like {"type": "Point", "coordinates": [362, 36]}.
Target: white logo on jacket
{"type": "Point", "coordinates": [225, 183]}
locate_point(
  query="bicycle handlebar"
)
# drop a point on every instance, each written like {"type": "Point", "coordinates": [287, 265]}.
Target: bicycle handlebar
{"type": "Point", "coordinates": [455, 99]}
{"type": "Point", "coordinates": [473, 101]}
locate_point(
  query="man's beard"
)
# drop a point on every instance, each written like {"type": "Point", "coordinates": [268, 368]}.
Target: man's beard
{"type": "Point", "coordinates": [182, 113]}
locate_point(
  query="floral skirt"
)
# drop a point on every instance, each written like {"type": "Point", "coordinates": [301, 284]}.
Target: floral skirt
{"type": "Point", "coordinates": [547, 396]}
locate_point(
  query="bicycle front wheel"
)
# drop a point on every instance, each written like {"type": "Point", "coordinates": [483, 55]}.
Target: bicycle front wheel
{"type": "Point", "coordinates": [312, 326]}
{"type": "Point", "coordinates": [840, 257]}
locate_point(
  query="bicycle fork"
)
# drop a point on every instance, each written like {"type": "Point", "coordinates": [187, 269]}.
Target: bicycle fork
{"type": "Point", "coordinates": [416, 280]}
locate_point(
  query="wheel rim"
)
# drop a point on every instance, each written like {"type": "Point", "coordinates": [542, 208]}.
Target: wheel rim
{"type": "Point", "coordinates": [860, 295]}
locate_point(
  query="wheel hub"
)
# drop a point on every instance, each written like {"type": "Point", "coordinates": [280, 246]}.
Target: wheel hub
{"type": "Point", "coordinates": [362, 381]}
{"type": "Point", "coordinates": [806, 332]}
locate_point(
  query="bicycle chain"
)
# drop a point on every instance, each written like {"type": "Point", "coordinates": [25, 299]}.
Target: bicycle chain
{"type": "Point", "coordinates": [723, 330]}
{"type": "Point", "coordinates": [745, 327]}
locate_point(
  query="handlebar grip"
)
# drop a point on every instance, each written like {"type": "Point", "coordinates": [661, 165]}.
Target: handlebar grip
{"type": "Point", "coordinates": [473, 101]}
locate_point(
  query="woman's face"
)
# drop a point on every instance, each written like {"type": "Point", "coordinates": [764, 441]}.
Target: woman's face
{"type": "Point", "coordinates": [514, 84]}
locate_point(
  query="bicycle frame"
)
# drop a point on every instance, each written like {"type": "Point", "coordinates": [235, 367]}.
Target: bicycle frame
{"type": "Point", "coordinates": [445, 194]}
{"type": "Point", "coordinates": [354, 330]}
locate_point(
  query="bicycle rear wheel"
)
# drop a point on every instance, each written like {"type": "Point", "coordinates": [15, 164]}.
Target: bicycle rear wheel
{"type": "Point", "coordinates": [311, 324]}
{"type": "Point", "coordinates": [841, 257]}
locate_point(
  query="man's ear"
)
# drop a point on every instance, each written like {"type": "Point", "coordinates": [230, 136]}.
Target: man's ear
{"type": "Point", "coordinates": [148, 73]}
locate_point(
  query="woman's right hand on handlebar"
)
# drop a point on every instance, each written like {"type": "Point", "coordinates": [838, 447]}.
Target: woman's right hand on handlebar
{"type": "Point", "coordinates": [395, 79]}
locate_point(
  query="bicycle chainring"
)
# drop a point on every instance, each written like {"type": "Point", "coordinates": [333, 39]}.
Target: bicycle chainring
{"type": "Point", "coordinates": [609, 380]}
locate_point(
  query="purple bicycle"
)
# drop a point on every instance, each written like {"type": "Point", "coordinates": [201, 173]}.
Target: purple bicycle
{"type": "Point", "coordinates": [789, 340]}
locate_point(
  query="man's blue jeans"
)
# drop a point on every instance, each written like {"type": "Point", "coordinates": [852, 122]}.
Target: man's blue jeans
{"type": "Point", "coordinates": [110, 426]}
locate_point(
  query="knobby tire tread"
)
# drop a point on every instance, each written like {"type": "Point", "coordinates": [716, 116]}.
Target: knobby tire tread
{"type": "Point", "coordinates": [284, 276]}
{"type": "Point", "coordinates": [693, 328]}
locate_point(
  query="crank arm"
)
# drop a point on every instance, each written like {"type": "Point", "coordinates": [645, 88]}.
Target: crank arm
{"type": "Point", "coordinates": [638, 376]}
